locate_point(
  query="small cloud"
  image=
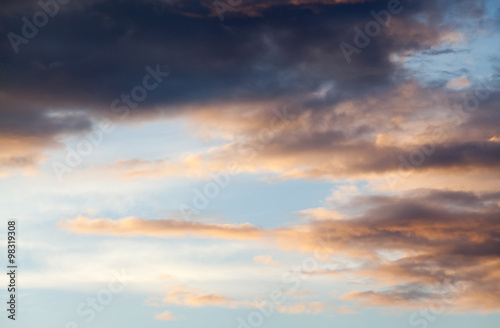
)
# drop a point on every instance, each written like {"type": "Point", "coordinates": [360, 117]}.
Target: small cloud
{"type": "Point", "coordinates": [166, 316]}
{"type": "Point", "coordinates": [266, 260]}
{"type": "Point", "coordinates": [494, 139]}
{"type": "Point", "coordinates": [320, 213]}
{"type": "Point", "coordinates": [301, 294]}
{"type": "Point", "coordinates": [342, 194]}
{"type": "Point", "coordinates": [452, 37]}
{"type": "Point", "coordinates": [458, 83]}
{"type": "Point", "coordinates": [164, 276]}
{"type": "Point", "coordinates": [344, 310]}
{"type": "Point", "coordinates": [306, 307]}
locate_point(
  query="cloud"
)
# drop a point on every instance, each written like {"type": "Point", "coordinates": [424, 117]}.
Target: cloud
{"type": "Point", "coordinates": [27, 134]}
{"type": "Point", "coordinates": [344, 310]}
{"type": "Point", "coordinates": [350, 139]}
{"type": "Point", "coordinates": [413, 244]}
{"type": "Point", "coordinates": [304, 307]}
{"type": "Point", "coordinates": [458, 83]}
{"type": "Point", "coordinates": [22, 154]}
{"type": "Point", "coordinates": [166, 316]}
{"type": "Point", "coordinates": [54, 93]}
{"type": "Point", "coordinates": [434, 238]}
{"type": "Point", "coordinates": [321, 213]}
{"type": "Point", "coordinates": [265, 260]}
{"type": "Point", "coordinates": [183, 295]}
{"type": "Point", "coordinates": [289, 160]}
{"type": "Point", "coordinates": [405, 296]}
{"type": "Point", "coordinates": [160, 228]}
{"type": "Point", "coordinates": [192, 297]}
{"type": "Point", "coordinates": [363, 120]}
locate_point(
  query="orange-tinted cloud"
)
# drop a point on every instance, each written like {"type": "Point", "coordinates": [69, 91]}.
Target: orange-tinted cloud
{"type": "Point", "coordinates": [417, 244]}
{"type": "Point", "coordinates": [412, 245]}
{"type": "Point", "coordinates": [183, 295]}
{"type": "Point", "coordinates": [22, 154]}
{"type": "Point", "coordinates": [350, 139]}
{"type": "Point", "coordinates": [192, 297]}
{"type": "Point", "coordinates": [165, 316]}
{"type": "Point", "coordinates": [160, 228]}
{"type": "Point", "coordinates": [265, 260]}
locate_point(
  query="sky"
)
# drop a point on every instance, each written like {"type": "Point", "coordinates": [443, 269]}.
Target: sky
{"type": "Point", "coordinates": [251, 163]}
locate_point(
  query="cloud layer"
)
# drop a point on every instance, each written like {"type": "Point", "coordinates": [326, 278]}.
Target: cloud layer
{"type": "Point", "coordinates": [412, 245]}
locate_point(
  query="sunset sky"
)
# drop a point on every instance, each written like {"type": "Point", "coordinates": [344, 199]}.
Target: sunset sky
{"type": "Point", "coordinates": [251, 163]}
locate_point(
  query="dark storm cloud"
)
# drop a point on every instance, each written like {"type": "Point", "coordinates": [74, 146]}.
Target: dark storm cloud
{"type": "Point", "coordinates": [484, 120]}
{"type": "Point", "coordinates": [31, 122]}
{"type": "Point", "coordinates": [91, 53]}
{"type": "Point", "coordinates": [87, 56]}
